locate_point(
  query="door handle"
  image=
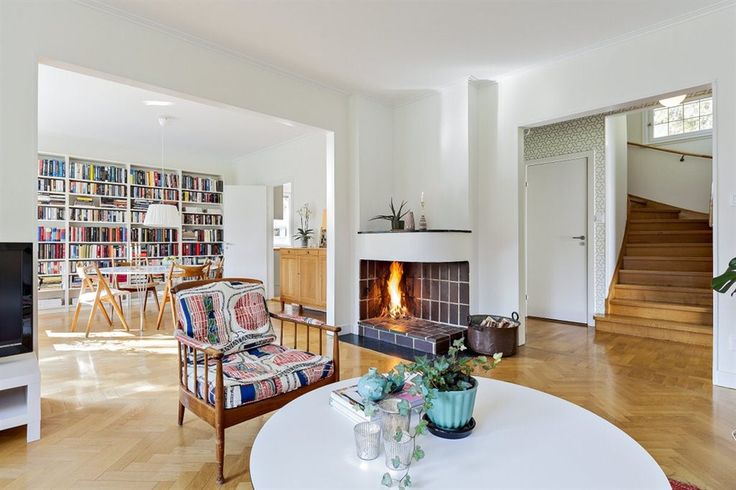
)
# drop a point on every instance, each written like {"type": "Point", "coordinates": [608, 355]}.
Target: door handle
{"type": "Point", "coordinates": [581, 237]}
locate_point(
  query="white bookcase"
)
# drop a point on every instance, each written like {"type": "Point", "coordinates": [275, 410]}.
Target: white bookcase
{"type": "Point", "coordinates": [116, 199]}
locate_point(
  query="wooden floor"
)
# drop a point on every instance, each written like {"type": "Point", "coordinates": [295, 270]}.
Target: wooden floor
{"type": "Point", "coordinates": [109, 407]}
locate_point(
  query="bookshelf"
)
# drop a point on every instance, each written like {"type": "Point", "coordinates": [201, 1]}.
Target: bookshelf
{"type": "Point", "coordinates": [93, 210]}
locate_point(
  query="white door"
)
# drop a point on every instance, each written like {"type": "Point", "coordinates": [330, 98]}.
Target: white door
{"type": "Point", "coordinates": [246, 231]}
{"type": "Point", "coordinates": [557, 255]}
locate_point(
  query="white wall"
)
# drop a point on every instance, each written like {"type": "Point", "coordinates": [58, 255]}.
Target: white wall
{"type": "Point", "coordinates": [616, 190]}
{"type": "Point", "coordinates": [431, 156]}
{"type": "Point", "coordinates": [662, 177]}
{"type": "Point", "coordinates": [303, 162]}
{"type": "Point", "coordinates": [597, 80]}
{"type": "Point", "coordinates": [122, 50]}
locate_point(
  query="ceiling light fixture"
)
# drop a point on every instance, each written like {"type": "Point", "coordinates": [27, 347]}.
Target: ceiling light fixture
{"type": "Point", "coordinates": [673, 101]}
{"type": "Point", "coordinates": [158, 103]}
{"type": "Point", "coordinates": [160, 214]}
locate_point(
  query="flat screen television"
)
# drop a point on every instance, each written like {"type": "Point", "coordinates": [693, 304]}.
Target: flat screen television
{"type": "Point", "coordinates": [16, 298]}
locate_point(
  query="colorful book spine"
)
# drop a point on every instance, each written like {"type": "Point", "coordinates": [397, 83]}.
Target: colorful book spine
{"type": "Point", "coordinates": [202, 219]}
{"type": "Point", "coordinates": [51, 234]}
{"type": "Point", "coordinates": [98, 234]}
{"type": "Point", "coordinates": [80, 251]}
{"type": "Point", "coordinates": [201, 249]}
{"type": "Point", "coordinates": [153, 235]}
{"type": "Point", "coordinates": [98, 172]}
{"type": "Point", "coordinates": [51, 167]}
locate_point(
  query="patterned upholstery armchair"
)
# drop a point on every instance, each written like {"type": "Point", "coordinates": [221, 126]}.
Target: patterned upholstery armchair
{"type": "Point", "coordinates": [230, 368]}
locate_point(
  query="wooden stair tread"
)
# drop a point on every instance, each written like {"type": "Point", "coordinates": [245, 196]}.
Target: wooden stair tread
{"type": "Point", "coordinates": [669, 244]}
{"type": "Point", "coordinates": [670, 232]}
{"type": "Point", "coordinates": [668, 258]}
{"type": "Point", "coordinates": [662, 305]}
{"type": "Point", "coordinates": [673, 289]}
{"type": "Point", "coordinates": [671, 273]}
{"type": "Point", "coordinates": [669, 220]}
{"type": "Point", "coordinates": [654, 323]}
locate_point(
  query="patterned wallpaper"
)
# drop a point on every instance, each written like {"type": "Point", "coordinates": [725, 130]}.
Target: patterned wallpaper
{"type": "Point", "coordinates": [577, 136]}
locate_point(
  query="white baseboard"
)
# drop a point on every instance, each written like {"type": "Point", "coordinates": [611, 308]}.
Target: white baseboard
{"type": "Point", "coordinates": [724, 379]}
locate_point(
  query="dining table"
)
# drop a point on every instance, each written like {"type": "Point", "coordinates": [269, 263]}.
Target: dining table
{"type": "Point", "coordinates": [138, 277]}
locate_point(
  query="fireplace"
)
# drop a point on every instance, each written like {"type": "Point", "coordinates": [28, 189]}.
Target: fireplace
{"type": "Point", "coordinates": [419, 305]}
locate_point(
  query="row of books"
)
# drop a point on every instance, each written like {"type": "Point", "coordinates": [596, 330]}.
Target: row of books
{"type": "Point", "coordinates": [153, 178]}
{"type": "Point", "coordinates": [83, 214]}
{"type": "Point", "coordinates": [98, 172]}
{"type": "Point", "coordinates": [50, 185]}
{"type": "Point", "coordinates": [95, 189]}
{"type": "Point", "coordinates": [201, 183]}
{"type": "Point", "coordinates": [51, 167]}
{"type": "Point", "coordinates": [51, 251]}
{"type": "Point", "coordinates": [73, 266]}
{"type": "Point", "coordinates": [50, 267]}
{"type": "Point", "coordinates": [203, 235]}
{"type": "Point", "coordinates": [153, 193]}
{"type": "Point", "coordinates": [117, 251]}
{"type": "Point", "coordinates": [51, 234]}
{"type": "Point", "coordinates": [98, 234]}
{"type": "Point", "coordinates": [50, 200]}
{"type": "Point", "coordinates": [202, 219]}
{"type": "Point", "coordinates": [157, 250]}
{"type": "Point", "coordinates": [49, 213]}
{"type": "Point", "coordinates": [201, 249]}
{"type": "Point", "coordinates": [197, 196]}
{"type": "Point", "coordinates": [49, 283]}
{"type": "Point", "coordinates": [153, 235]}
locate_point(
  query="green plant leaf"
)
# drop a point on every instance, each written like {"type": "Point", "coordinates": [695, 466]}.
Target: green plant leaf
{"type": "Point", "coordinates": [723, 283]}
{"type": "Point", "coordinates": [369, 408]}
{"type": "Point", "coordinates": [386, 480]}
{"type": "Point", "coordinates": [421, 428]}
{"type": "Point", "coordinates": [396, 462]}
{"type": "Point", "coordinates": [418, 453]}
{"type": "Point", "coordinates": [404, 408]}
{"type": "Point", "coordinates": [398, 435]}
{"type": "Point", "coordinates": [407, 481]}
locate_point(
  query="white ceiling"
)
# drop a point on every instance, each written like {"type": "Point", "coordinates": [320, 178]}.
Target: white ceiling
{"type": "Point", "coordinates": [92, 117]}
{"type": "Point", "coordinates": [392, 47]}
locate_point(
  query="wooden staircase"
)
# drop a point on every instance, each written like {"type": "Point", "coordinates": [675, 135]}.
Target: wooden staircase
{"type": "Point", "coordinates": [661, 286]}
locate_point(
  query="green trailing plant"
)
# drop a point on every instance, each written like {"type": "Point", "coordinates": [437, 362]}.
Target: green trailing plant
{"type": "Point", "coordinates": [304, 232]}
{"type": "Point", "coordinates": [723, 283]}
{"type": "Point", "coordinates": [451, 372]}
{"type": "Point", "coordinates": [396, 217]}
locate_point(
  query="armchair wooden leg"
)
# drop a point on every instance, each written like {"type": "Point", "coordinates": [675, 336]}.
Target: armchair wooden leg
{"type": "Point", "coordinates": [76, 316]}
{"type": "Point", "coordinates": [180, 420]}
{"type": "Point", "coordinates": [220, 450]}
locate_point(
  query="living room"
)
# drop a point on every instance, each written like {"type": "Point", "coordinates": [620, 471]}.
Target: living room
{"type": "Point", "coordinates": [440, 129]}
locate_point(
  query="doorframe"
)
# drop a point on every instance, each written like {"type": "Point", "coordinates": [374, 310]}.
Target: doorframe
{"type": "Point", "coordinates": [590, 287]}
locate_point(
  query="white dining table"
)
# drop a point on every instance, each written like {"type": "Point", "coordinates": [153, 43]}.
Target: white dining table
{"type": "Point", "coordinates": [137, 276]}
{"type": "Point", "coordinates": [523, 439]}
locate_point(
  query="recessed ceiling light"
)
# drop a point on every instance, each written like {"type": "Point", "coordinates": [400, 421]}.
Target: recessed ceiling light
{"type": "Point", "coordinates": [673, 101]}
{"type": "Point", "coordinates": [158, 103]}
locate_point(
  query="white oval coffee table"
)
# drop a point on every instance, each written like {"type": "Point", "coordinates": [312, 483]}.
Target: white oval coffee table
{"type": "Point", "coordinates": [524, 438]}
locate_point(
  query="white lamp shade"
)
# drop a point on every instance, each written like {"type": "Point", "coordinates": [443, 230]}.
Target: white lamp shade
{"type": "Point", "coordinates": [162, 216]}
{"type": "Point", "coordinates": [673, 101]}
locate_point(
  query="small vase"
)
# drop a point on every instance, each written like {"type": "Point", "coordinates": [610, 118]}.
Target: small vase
{"type": "Point", "coordinates": [452, 410]}
{"type": "Point", "coordinates": [410, 221]}
{"type": "Point", "coordinates": [371, 385]}
{"type": "Point", "coordinates": [397, 225]}
{"type": "Point", "coordinates": [305, 242]}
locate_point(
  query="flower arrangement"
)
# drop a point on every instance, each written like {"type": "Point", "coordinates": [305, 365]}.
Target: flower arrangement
{"type": "Point", "coordinates": [304, 232]}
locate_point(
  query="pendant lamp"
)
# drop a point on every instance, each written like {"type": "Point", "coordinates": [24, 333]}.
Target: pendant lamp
{"type": "Point", "coordinates": [162, 215]}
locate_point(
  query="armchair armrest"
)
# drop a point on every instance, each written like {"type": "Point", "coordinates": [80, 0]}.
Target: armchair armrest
{"type": "Point", "coordinates": [303, 320]}
{"type": "Point", "coordinates": [209, 349]}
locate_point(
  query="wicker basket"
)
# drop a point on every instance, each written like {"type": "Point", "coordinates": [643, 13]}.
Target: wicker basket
{"type": "Point", "coordinates": [488, 340]}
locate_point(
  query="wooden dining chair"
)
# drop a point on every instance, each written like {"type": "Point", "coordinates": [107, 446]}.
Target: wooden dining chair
{"type": "Point", "coordinates": [132, 284]}
{"type": "Point", "coordinates": [95, 291]}
{"type": "Point", "coordinates": [178, 273]}
{"type": "Point", "coordinates": [216, 268]}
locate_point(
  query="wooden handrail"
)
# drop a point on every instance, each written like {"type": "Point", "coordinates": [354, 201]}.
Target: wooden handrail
{"type": "Point", "coordinates": [666, 150]}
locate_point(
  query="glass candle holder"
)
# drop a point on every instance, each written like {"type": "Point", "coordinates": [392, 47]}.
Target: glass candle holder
{"type": "Point", "coordinates": [391, 419]}
{"type": "Point", "coordinates": [398, 453]}
{"type": "Point", "coordinates": [367, 440]}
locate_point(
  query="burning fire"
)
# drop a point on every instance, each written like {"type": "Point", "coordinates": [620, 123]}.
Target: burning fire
{"type": "Point", "coordinates": [396, 308]}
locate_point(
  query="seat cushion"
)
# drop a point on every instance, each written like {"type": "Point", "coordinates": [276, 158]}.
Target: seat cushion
{"type": "Point", "coordinates": [89, 296]}
{"type": "Point", "coordinates": [262, 372]}
{"type": "Point", "coordinates": [231, 316]}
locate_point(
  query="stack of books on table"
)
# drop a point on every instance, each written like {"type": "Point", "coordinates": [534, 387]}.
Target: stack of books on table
{"type": "Point", "coordinates": [349, 403]}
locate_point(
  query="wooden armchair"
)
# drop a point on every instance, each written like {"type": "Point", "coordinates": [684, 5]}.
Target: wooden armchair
{"type": "Point", "coordinates": [213, 382]}
{"type": "Point", "coordinates": [179, 272]}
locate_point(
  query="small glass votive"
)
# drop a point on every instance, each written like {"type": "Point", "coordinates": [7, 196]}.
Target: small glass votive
{"type": "Point", "coordinates": [398, 451]}
{"type": "Point", "coordinates": [367, 440]}
{"type": "Point", "coordinates": [391, 419]}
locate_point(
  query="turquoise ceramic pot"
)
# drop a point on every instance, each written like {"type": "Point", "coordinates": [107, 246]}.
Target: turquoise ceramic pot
{"type": "Point", "coordinates": [371, 385]}
{"type": "Point", "coordinates": [452, 410]}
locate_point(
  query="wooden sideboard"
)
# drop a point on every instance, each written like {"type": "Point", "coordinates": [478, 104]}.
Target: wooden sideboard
{"type": "Point", "coordinates": [303, 277]}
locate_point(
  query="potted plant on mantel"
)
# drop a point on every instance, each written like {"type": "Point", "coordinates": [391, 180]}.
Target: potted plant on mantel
{"type": "Point", "coordinates": [304, 233]}
{"type": "Point", "coordinates": [396, 217]}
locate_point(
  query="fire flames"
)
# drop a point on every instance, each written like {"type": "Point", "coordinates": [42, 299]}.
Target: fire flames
{"type": "Point", "coordinates": [396, 308]}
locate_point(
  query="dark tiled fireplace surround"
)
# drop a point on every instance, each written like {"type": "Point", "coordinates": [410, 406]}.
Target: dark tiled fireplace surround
{"type": "Point", "coordinates": [436, 296]}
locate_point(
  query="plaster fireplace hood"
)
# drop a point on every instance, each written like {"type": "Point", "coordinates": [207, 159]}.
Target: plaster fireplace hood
{"type": "Point", "coordinates": [416, 246]}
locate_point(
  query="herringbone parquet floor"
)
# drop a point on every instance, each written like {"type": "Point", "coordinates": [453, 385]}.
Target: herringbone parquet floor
{"type": "Point", "coordinates": [109, 407]}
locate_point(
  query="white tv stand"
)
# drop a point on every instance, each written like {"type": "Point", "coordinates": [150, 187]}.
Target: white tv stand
{"type": "Point", "coordinates": [20, 395]}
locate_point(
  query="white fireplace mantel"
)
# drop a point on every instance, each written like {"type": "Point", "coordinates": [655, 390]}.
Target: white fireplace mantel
{"type": "Point", "coordinates": [420, 246]}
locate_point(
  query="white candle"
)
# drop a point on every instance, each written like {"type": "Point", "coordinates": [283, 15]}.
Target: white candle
{"type": "Point", "coordinates": [422, 198]}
